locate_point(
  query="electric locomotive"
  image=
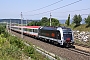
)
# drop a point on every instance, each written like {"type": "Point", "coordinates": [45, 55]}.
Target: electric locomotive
{"type": "Point", "coordinates": [61, 35]}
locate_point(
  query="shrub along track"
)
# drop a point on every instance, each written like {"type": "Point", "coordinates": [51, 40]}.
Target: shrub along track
{"type": "Point", "coordinates": [63, 52]}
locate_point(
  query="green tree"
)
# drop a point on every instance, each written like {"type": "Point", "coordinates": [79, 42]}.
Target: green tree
{"type": "Point", "coordinates": [87, 20]}
{"type": "Point", "coordinates": [31, 23]}
{"type": "Point", "coordinates": [77, 19]}
{"type": "Point", "coordinates": [68, 20]}
{"type": "Point", "coordinates": [2, 29]}
{"type": "Point", "coordinates": [34, 23]}
{"type": "Point", "coordinates": [44, 21]}
{"type": "Point", "coordinates": [54, 22]}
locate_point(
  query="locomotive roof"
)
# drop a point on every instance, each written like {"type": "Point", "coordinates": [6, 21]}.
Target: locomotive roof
{"type": "Point", "coordinates": [54, 28]}
{"type": "Point", "coordinates": [48, 28]}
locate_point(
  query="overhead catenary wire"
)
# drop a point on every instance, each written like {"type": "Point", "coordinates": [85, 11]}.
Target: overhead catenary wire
{"type": "Point", "coordinates": [87, 14]}
{"type": "Point", "coordinates": [84, 14]}
{"type": "Point", "coordinates": [55, 8]}
{"type": "Point", "coordinates": [73, 10]}
{"type": "Point", "coordinates": [45, 6]}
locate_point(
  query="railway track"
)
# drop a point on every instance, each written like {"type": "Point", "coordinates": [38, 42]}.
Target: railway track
{"type": "Point", "coordinates": [82, 45]}
{"type": "Point", "coordinates": [69, 53]}
{"type": "Point", "coordinates": [80, 51]}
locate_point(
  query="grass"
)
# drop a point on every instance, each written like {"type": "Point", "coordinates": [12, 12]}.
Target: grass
{"type": "Point", "coordinates": [81, 42]}
{"type": "Point", "coordinates": [14, 48]}
{"type": "Point", "coordinates": [82, 27]}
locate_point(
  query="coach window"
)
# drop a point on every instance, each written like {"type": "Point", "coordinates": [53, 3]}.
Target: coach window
{"type": "Point", "coordinates": [25, 29]}
{"type": "Point", "coordinates": [30, 30]}
{"type": "Point", "coordinates": [35, 30]}
{"type": "Point", "coordinates": [15, 27]}
{"type": "Point", "coordinates": [19, 28]}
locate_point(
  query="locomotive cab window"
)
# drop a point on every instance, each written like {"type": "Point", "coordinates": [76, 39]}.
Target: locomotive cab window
{"type": "Point", "coordinates": [67, 33]}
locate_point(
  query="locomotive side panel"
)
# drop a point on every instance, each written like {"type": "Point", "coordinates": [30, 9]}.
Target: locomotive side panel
{"type": "Point", "coordinates": [50, 32]}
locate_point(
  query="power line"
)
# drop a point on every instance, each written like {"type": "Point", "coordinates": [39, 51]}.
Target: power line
{"type": "Point", "coordinates": [73, 10]}
{"type": "Point", "coordinates": [85, 14]}
{"type": "Point", "coordinates": [56, 8]}
{"type": "Point", "coordinates": [45, 6]}
{"type": "Point", "coordinates": [74, 14]}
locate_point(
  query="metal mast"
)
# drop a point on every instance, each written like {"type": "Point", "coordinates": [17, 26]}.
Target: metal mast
{"type": "Point", "coordinates": [10, 25]}
{"type": "Point", "coordinates": [26, 22]}
{"type": "Point", "coordinates": [50, 19]}
{"type": "Point", "coordinates": [21, 25]}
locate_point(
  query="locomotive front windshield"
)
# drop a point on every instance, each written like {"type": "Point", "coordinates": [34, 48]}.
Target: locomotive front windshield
{"type": "Point", "coordinates": [67, 33]}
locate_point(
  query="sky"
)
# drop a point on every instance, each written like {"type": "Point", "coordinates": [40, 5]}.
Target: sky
{"type": "Point", "coordinates": [13, 8]}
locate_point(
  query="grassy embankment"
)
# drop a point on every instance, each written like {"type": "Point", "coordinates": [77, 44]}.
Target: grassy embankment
{"type": "Point", "coordinates": [13, 48]}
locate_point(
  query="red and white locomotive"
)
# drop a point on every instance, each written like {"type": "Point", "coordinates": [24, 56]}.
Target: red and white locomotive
{"type": "Point", "coordinates": [60, 35]}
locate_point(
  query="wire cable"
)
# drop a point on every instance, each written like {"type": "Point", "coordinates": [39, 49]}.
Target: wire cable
{"type": "Point", "coordinates": [85, 14]}
{"type": "Point", "coordinates": [45, 6]}
{"type": "Point", "coordinates": [73, 10]}
{"type": "Point", "coordinates": [56, 8]}
{"type": "Point", "coordinates": [74, 14]}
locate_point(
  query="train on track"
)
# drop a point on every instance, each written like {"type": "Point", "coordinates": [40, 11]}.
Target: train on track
{"type": "Point", "coordinates": [59, 35]}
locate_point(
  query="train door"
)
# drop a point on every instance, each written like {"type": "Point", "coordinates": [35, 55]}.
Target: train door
{"type": "Point", "coordinates": [58, 35]}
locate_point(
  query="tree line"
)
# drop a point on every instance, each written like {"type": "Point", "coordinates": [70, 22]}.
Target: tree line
{"type": "Point", "coordinates": [55, 22]}
{"type": "Point", "coordinates": [45, 22]}
{"type": "Point", "coordinates": [77, 20]}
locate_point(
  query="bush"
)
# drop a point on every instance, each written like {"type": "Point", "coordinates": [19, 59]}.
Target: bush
{"type": "Point", "coordinates": [2, 40]}
{"type": "Point", "coordinates": [2, 29]}
{"type": "Point", "coordinates": [29, 50]}
{"type": "Point", "coordinates": [12, 51]}
{"type": "Point", "coordinates": [17, 42]}
{"type": "Point", "coordinates": [6, 34]}
{"type": "Point", "coordinates": [8, 50]}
